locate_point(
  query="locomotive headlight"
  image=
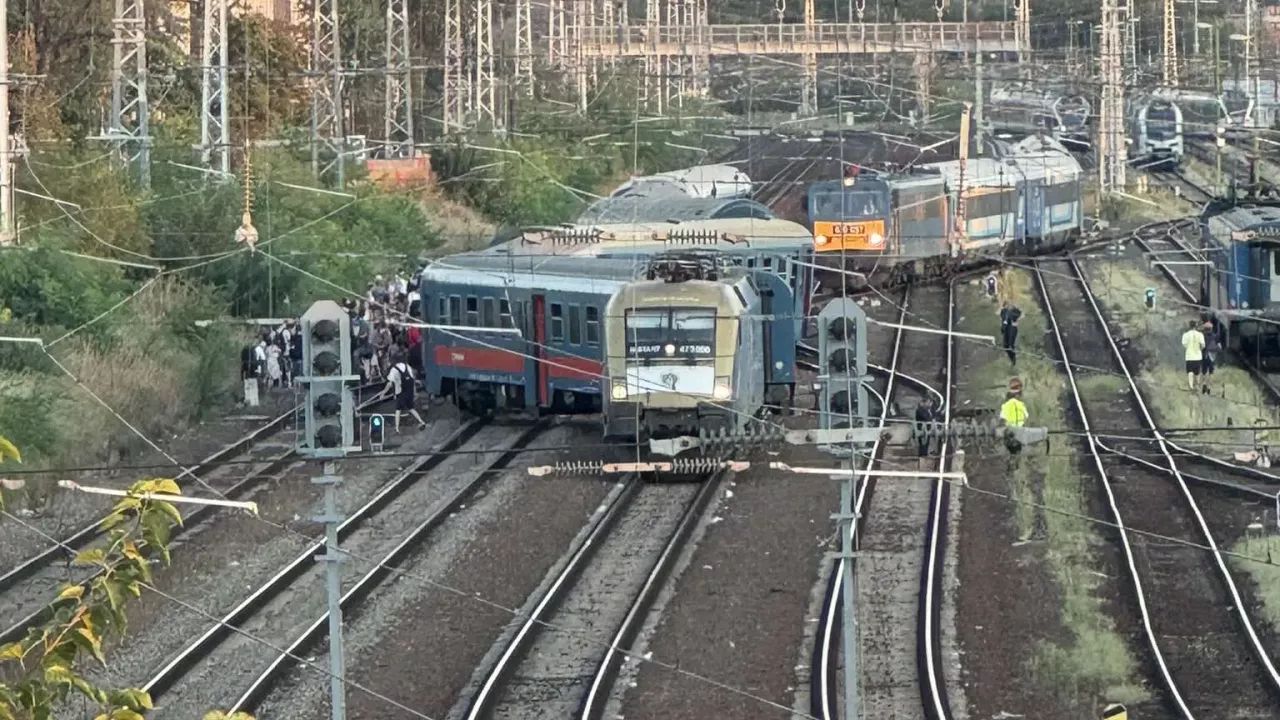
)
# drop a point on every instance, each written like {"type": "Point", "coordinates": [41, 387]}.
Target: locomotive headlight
{"type": "Point", "coordinates": [821, 239]}
{"type": "Point", "coordinates": [722, 391]}
{"type": "Point", "coordinates": [876, 238]}
{"type": "Point", "coordinates": [619, 391]}
{"type": "Point", "coordinates": [669, 349]}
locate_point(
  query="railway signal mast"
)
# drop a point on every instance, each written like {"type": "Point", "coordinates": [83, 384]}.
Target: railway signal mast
{"type": "Point", "coordinates": [842, 369]}
{"type": "Point", "coordinates": [328, 434]}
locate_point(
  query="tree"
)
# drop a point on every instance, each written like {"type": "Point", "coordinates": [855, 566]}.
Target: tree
{"type": "Point", "coordinates": [39, 673]}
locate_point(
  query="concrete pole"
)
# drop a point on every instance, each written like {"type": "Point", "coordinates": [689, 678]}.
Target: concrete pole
{"type": "Point", "coordinates": [7, 225]}
{"type": "Point", "coordinates": [850, 605]}
{"type": "Point", "coordinates": [333, 578]}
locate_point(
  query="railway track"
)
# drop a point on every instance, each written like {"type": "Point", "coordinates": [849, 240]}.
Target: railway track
{"type": "Point", "coordinates": [901, 540]}
{"type": "Point", "coordinates": [564, 656]}
{"type": "Point", "coordinates": [233, 471]}
{"type": "Point", "coordinates": [219, 668]}
{"type": "Point", "coordinates": [1211, 660]}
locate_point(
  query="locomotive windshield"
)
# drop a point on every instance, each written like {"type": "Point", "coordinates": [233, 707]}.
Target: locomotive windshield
{"type": "Point", "coordinates": [1161, 121]}
{"type": "Point", "coordinates": [670, 332]}
{"type": "Point", "coordinates": [847, 204]}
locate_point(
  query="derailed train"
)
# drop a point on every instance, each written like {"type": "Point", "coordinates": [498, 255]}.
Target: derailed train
{"type": "Point", "coordinates": [889, 228]}
{"type": "Point", "coordinates": [1240, 285]}
{"type": "Point", "coordinates": [665, 333]}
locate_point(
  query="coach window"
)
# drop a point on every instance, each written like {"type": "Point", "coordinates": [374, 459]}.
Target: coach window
{"type": "Point", "coordinates": [593, 325]}
{"type": "Point", "coordinates": [488, 319]}
{"type": "Point", "coordinates": [455, 310]}
{"type": "Point", "coordinates": [768, 263]}
{"type": "Point", "coordinates": [557, 322]}
{"type": "Point", "coordinates": [504, 313]}
{"type": "Point", "coordinates": [575, 325]}
{"type": "Point", "coordinates": [443, 316]}
{"type": "Point", "coordinates": [473, 311]}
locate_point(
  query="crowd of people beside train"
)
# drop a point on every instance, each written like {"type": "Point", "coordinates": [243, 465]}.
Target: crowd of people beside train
{"type": "Point", "coordinates": [384, 347]}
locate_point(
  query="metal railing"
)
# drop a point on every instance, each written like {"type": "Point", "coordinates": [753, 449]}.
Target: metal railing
{"type": "Point", "coordinates": [794, 37]}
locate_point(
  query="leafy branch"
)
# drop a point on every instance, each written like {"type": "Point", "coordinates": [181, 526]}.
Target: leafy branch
{"type": "Point", "coordinates": [40, 672]}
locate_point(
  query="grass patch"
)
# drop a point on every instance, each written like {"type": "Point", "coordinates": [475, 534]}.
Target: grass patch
{"type": "Point", "coordinates": [1266, 577]}
{"type": "Point", "coordinates": [1095, 665]}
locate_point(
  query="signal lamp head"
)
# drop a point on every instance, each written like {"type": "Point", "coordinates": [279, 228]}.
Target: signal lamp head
{"type": "Point", "coordinates": [325, 331]}
{"type": "Point", "coordinates": [329, 436]}
{"type": "Point", "coordinates": [326, 363]}
{"type": "Point", "coordinates": [839, 402]}
{"type": "Point", "coordinates": [328, 404]}
{"type": "Point", "coordinates": [842, 329]}
{"type": "Point", "coordinates": [839, 361]}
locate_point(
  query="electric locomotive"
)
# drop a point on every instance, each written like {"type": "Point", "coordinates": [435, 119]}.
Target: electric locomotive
{"type": "Point", "coordinates": [1241, 285]}
{"type": "Point", "coordinates": [1024, 109]}
{"type": "Point", "coordinates": [1156, 128]}
{"type": "Point", "coordinates": [696, 346]}
{"type": "Point", "coordinates": [890, 228]}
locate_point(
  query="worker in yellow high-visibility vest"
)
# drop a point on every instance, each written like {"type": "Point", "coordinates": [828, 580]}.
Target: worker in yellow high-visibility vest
{"type": "Point", "coordinates": [1014, 413]}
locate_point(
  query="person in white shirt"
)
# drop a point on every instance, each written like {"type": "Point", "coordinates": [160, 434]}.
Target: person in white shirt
{"type": "Point", "coordinates": [1193, 344]}
{"type": "Point", "coordinates": [400, 381]}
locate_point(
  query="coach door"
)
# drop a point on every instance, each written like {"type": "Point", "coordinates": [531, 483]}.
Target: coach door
{"type": "Point", "coordinates": [540, 349]}
{"type": "Point", "coordinates": [1035, 210]}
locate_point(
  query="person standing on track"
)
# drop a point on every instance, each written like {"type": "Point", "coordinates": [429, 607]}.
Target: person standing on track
{"type": "Point", "coordinates": [1009, 316]}
{"type": "Point", "coordinates": [400, 382]}
{"type": "Point", "coordinates": [926, 417]}
{"type": "Point", "coordinates": [1193, 345]}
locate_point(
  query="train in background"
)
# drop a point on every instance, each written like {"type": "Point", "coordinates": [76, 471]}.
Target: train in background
{"type": "Point", "coordinates": [1203, 112]}
{"type": "Point", "coordinates": [889, 228]}
{"type": "Point", "coordinates": [1029, 109]}
{"type": "Point", "coordinates": [1156, 131]}
{"type": "Point", "coordinates": [698, 344]}
{"type": "Point", "coordinates": [700, 181]}
{"type": "Point", "coordinates": [1241, 284]}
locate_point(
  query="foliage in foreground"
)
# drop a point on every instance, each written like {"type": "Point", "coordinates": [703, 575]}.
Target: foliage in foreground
{"type": "Point", "coordinates": [40, 673]}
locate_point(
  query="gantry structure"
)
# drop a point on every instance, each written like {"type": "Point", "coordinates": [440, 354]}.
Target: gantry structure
{"type": "Point", "coordinates": [672, 47]}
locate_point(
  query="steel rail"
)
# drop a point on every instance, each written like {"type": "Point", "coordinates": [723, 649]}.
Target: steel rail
{"type": "Point", "coordinates": [86, 535]}
{"type": "Point", "coordinates": [1117, 516]}
{"type": "Point", "coordinates": [606, 675]}
{"type": "Point", "coordinates": [375, 576]}
{"type": "Point", "coordinates": [484, 698]}
{"type": "Point", "coordinates": [1245, 490]}
{"type": "Point", "coordinates": [1254, 639]}
{"type": "Point", "coordinates": [936, 703]}
{"type": "Point", "coordinates": [823, 702]}
{"type": "Point", "coordinates": [196, 650]}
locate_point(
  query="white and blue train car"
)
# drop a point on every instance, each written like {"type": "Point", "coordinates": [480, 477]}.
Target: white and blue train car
{"type": "Point", "coordinates": [1051, 189]}
{"type": "Point", "coordinates": [1241, 285]}
{"type": "Point", "coordinates": [1155, 126]}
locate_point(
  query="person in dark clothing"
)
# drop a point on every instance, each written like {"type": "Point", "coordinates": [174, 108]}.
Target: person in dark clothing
{"type": "Point", "coordinates": [926, 415]}
{"type": "Point", "coordinates": [1208, 362]}
{"type": "Point", "coordinates": [1009, 316]}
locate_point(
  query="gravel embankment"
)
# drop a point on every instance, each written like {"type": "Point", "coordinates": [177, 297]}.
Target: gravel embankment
{"type": "Point", "coordinates": [68, 512]}
{"type": "Point", "coordinates": [419, 640]}
{"type": "Point", "coordinates": [737, 611]}
{"type": "Point", "coordinates": [556, 672]}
